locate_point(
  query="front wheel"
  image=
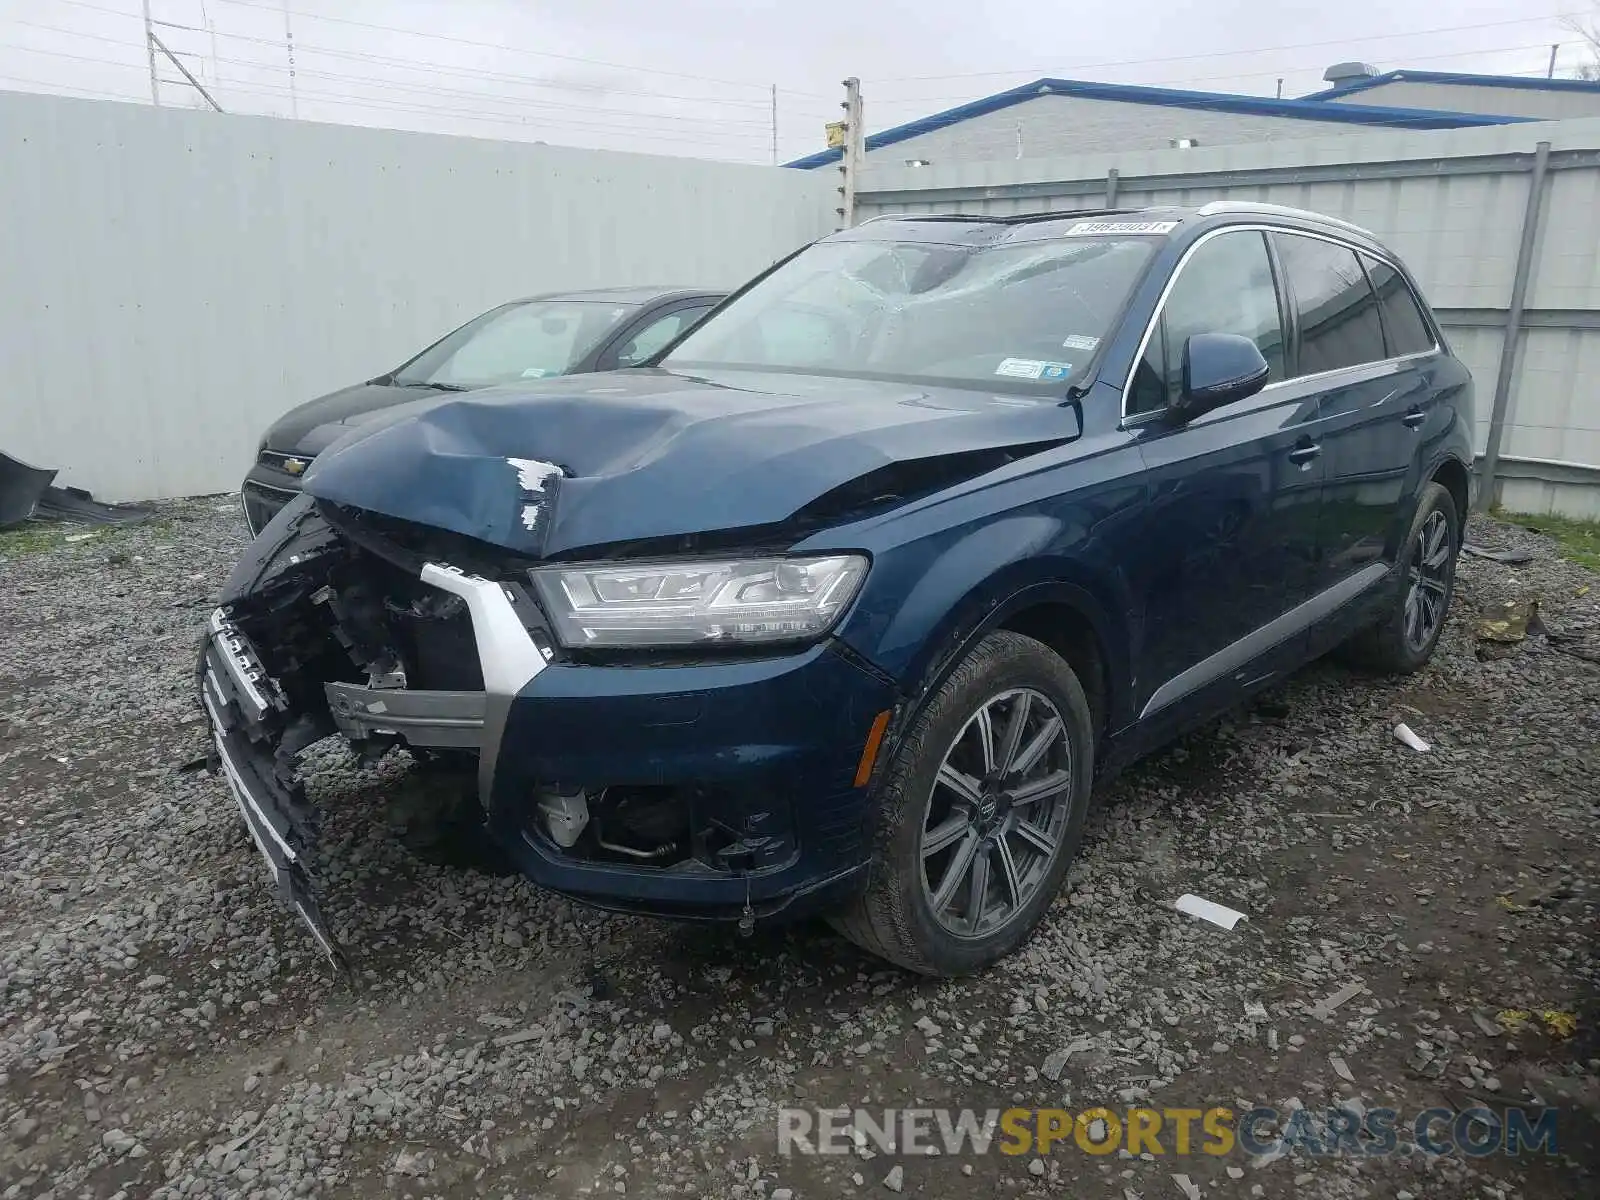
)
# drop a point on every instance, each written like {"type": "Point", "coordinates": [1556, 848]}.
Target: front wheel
{"type": "Point", "coordinates": [1405, 639]}
{"type": "Point", "coordinates": [979, 813]}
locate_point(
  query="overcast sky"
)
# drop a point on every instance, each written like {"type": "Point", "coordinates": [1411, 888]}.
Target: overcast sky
{"type": "Point", "coordinates": [693, 76]}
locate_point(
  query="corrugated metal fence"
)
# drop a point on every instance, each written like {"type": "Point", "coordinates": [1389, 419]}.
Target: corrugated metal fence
{"type": "Point", "coordinates": [1454, 205]}
{"type": "Point", "coordinates": [171, 281]}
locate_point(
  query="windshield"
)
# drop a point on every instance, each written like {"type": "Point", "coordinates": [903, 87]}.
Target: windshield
{"type": "Point", "coordinates": [528, 340]}
{"type": "Point", "coordinates": [1024, 316]}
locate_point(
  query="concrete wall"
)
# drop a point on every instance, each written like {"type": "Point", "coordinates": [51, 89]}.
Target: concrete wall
{"type": "Point", "coordinates": [1450, 203]}
{"type": "Point", "coordinates": [1052, 126]}
{"type": "Point", "coordinates": [172, 280]}
{"type": "Point", "coordinates": [1467, 98]}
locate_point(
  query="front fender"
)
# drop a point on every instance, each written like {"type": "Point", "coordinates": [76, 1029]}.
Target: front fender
{"type": "Point", "coordinates": [927, 602]}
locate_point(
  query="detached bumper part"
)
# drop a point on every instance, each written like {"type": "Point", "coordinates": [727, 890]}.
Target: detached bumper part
{"type": "Point", "coordinates": [238, 697]}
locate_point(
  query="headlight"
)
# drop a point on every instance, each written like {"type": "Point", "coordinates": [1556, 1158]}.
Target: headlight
{"type": "Point", "coordinates": [697, 601]}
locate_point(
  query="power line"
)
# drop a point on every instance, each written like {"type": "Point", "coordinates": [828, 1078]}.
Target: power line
{"type": "Point", "coordinates": [443, 37]}
{"type": "Point", "coordinates": [76, 90]}
{"type": "Point", "coordinates": [1140, 62]}
{"type": "Point", "coordinates": [473, 73]}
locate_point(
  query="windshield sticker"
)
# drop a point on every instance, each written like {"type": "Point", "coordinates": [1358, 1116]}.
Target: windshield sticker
{"type": "Point", "coordinates": [1094, 228]}
{"type": "Point", "coordinates": [1079, 341]}
{"type": "Point", "coordinates": [1033, 368]}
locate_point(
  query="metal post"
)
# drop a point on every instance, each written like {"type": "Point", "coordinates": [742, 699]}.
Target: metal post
{"type": "Point", "coordinates": [150, 47]}
{"type": "Point", "coordinates": [774, 124]}
{"type": "Point", "coordinates": [187, 74]}
{"type": "Point", "coordinates": [1513, 334]}
{"type": "Point", "coordinates": [853, 152]}
{"type": "Point", "coordinates": [1550, 72]}
{"type": "Point", "coordinates": [1113, 178]}
{"type": "Point", "coordinates": [288, 44]}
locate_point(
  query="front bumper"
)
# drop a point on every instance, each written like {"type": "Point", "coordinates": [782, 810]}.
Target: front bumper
{"type": "Point", "coordinates": [741, 772]}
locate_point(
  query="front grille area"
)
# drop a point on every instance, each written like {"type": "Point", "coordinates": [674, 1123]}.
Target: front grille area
{"type": "Point", "coordinates": [261, 504]}
{"type": "Point", "coordinates": [279, 461]}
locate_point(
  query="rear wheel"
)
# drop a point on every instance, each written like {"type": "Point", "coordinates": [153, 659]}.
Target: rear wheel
{"type": "Point", "coordinates": [980, 812]}
{"type": "Point", "coordinates": [1405, 639]}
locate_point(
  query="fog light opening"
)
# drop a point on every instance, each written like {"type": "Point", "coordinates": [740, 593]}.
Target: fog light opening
{"type": "Point", "coordinates": [565, 816]}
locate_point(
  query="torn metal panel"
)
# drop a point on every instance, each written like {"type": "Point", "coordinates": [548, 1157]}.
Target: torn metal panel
{"type": "Point", "coordinates": [656, 453]}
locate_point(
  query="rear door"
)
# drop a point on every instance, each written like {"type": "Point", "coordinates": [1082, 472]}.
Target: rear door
{"type": "Point", "coordinates": [1370, 404]}
{"type": "Point", "coordinates": [1232, 534]}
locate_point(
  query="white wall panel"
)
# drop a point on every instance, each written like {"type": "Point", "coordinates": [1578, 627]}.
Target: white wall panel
{"type": "Point", "coordinates": [171, 280]}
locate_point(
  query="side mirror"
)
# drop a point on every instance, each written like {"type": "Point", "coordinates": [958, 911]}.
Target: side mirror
{"type": "Point", "coordinates": [1218, 368]}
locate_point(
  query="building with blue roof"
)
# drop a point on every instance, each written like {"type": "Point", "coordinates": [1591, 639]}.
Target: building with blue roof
{"type": "Point", "coordinates": [1054, 117]}
{"type": "Point", "coordinates": [1541, 99]}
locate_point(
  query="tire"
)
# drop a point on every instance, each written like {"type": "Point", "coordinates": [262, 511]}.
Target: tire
{"type": "Point", "coordinates": [1393, 646]}
{"type": "Point", "coordinates": [923, 801]}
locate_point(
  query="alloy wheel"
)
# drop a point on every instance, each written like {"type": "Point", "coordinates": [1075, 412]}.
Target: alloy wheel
{"type": "Point", "coordinates": [1429, 575]}
{"type": "Point", "coordinates": [997, 813]}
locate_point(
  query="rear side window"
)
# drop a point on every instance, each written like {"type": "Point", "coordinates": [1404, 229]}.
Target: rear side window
{"type": "Point", "coordinates": [1225, 286]}
{"type": "Point", "coordinates": [1337, 312]}
{"type": "Point", "coordinates": [1403, 322]}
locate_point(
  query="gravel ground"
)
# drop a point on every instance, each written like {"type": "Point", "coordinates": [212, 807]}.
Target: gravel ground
{"type": "Point", "coordinates": [167, 1029]}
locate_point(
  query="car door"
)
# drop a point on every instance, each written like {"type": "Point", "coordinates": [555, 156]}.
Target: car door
{"type": "Point", "coordinates": [1370, 405]}
{"type": "Point", "coordinates": [651, 333]}
{"type": "Point", "coordinates": [1231, 543]}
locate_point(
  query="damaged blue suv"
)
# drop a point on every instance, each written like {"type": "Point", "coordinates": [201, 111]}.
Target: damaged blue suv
{"type": "Point", "coordinates": [846, 601]}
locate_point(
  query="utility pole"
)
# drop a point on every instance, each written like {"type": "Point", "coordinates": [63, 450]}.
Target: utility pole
{"type": "Point", "coordinates": [157, 44]}
{"type": "Point", "coordinates": [1280, 87]}
{"type": "Point", "coordinates": [288, 43]}
{"type": "Point", "coordinates": [150, 47]}
{"type": "Point", "coordinates": [1550, 72]}
{"type": "Point", "coordinates": [852, 153]}
{"type": "Point", "coordinates": [774, 124]}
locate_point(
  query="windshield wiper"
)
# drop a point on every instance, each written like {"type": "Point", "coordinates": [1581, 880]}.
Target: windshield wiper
{"type": "Point", "coordinates": [429, 383]}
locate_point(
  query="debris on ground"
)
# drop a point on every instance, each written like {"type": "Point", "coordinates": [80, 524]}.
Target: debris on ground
{"type": "Point", "coordinates": [1404, 734]}
{"type": "Point", "coordinates": [1207, 910]}
{"type": "Point", "coordinates": [1511, 558]}
{"type": "Point", "coordinates": [21, 486]}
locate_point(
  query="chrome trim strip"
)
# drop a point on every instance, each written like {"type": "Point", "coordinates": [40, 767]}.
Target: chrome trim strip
{"type": "Point", "coordinates": [1257, 642]}
{"type": "Point", "coordinates": [507, 655]}
{"type": "Point", "coordinates": [248, 806]}
{"type": "Point", "coordinates": [1161, 303]}
{"type": "Point", "coordinates": [423, 718]}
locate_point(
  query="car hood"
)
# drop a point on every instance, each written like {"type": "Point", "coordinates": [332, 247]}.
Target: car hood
{"type": "Point", "coordinates": [311, 427]}
{"type": "Point", "coordinates": [548, 468]}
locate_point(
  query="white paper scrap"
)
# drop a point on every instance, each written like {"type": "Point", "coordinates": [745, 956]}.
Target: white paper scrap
{"type": "Point", "coordinates": [1206, 910]}
{"type": "Point", "coordinates": [1403, 732]}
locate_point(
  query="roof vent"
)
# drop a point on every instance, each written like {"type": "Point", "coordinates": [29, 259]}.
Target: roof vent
{"type": "Point", "coordinates": [1349, 72]}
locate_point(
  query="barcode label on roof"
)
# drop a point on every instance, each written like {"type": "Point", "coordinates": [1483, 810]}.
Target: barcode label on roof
{"type": "Point", "coordinates": [1093, 228]}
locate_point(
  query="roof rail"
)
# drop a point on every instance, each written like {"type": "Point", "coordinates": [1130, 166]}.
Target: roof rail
{"type": "Point", "coordinates": [998, 218]}
{"type": "Point", "coordinates": [1218, 207]}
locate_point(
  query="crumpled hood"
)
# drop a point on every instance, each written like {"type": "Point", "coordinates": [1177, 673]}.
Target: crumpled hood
{"type": "Point", "coordinates": [546, 468]}
{"type": "Point", "coordinates": [309, 428]}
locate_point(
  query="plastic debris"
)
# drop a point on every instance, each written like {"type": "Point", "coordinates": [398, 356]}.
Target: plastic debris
{"type": "Point", "coordinates": [1187, 1187]}
{"type": "Point", "coordinates": [1485, 1025]}
{"type": "Point", "coordinates": [1341, 1068]}
{"type": "Point", "coordinates": [1206, 910]}
{"type": "Point", "coordinates": [1403, 733]}
{"type": "Point", "coordinates": [1326, 1005]}
{"type": "Point", "coordinates": [1509, 623]}
{"type": "Point", "coordinates": [1511, 558]}
{"type": "Point", "coordinates": [1255, 1010]}
{"type": "Point", "coordinates": [1056, 1061]}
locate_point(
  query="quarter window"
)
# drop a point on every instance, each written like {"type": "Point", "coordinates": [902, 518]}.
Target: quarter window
{"type": "Point", "coordinates": [1403, 323]}
{"type": "Point", "coordinates": [1336, 310]}
{"type": "Point", "coordinates": [1225, 286]}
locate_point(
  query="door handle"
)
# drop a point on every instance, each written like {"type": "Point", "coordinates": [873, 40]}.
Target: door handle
{"type": "Point", "coordinates": [1414, 418]}
{"type": "Point", "coordinates": [1301, 455]}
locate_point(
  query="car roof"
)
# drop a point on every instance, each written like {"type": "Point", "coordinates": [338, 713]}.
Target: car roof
{"type": "Point", "coordinates": [976, 228]}
{"type": "Point", "coordinates": [643, 294]}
